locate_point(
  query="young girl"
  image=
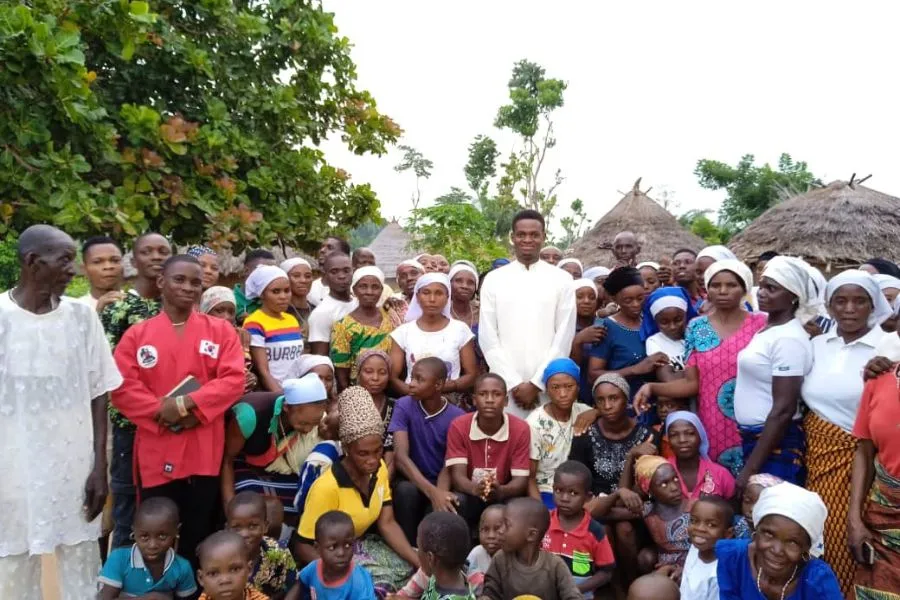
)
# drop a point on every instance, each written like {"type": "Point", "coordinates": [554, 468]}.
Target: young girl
{"type": "Point", "coordinates": [275, 339]}
{"type": "Point", "coordinates": [374, 374]}
{"type": "Point", "coordinates": [743, 526]}
{"type": "Point", "coordinates": [586, 333]}
{"type": "Point", "coordinates": [552, 426]}
{"type": "Point", "coordinates": [219, 301]}
{"type": "Point", "coordinates": [667, 312]}
{"type": "Point", "coordinates": [697, 474]}
{"type": "Point", "coordinates": [665, 514]}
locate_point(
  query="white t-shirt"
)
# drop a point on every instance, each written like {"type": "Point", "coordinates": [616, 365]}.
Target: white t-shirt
{"type": "Point", "coordinates": [444, 344]}
{"type": "Point", "coordinates": [88, 300]}
{"type": "Point", "coordinates": [479, 561]}
{"type": "Point", "coordinates": [889, 347]}
{"type": "Point", "coordinates": [325, 315]}
{"type": "Point", "coordinates": [698, 580]}
{"type": "Point", "coordinates": [674, 349]}
{"type": "Point", "coordinates": [834, 386]}
{"type": "Point", "coordinates": [780, 351]}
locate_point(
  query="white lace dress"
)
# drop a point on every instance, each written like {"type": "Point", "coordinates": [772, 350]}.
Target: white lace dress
{"type": "Point", "coordinates": [51, 366]}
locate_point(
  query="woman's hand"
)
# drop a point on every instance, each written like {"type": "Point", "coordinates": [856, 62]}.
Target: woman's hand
{"type": "Point", "coordinates": [631, 500]}
{"type": "Point", "coordinates": [857, 535]}
{"type": "Point", "coordinates": [641, 402]}
{"type": "Point", "coordinates": [591, 335]}
{"type": "Point", "coordinates": [584, 421]}
{"type": "Point", "coordinates": [877, 366]}
{"type": "Point", "coordinates": [645, 449]}
{"type": "Point", "coordinates": [651, 363]}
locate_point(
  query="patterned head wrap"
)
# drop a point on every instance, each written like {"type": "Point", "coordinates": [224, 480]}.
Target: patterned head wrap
{"type": "Point", "coordinates": [359, 417]}
{"type": "Point", "coordinates": [362, 358]}
{"type": "Point", "coordinates": [198, 251]}
{"type": "Point", "coordinates": [764, 480]}
{"type": "Point", "coordinates": [615, 379]}
{"type": "Point", "coordinates": [645, 468]}
{"type": "Point", "coordinates": [215, 296]}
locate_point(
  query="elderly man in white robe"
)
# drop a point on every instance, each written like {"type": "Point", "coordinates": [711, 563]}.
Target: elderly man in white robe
{"type": "Point", "coordinates": [527, 316]}
{"type": "Point", "coordinates": [55, 371]}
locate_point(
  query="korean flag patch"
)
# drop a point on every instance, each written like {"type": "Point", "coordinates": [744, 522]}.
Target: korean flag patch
{"type": "Point", "coordinates": [209, 349]}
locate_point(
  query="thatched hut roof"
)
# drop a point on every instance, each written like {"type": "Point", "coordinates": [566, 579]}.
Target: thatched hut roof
{"type": "Point", "coordinates": [835, 227]}
{"type": "Point", "coordinates": [657, 230]}
{"type": "Point", "coordinates": [390, 248]}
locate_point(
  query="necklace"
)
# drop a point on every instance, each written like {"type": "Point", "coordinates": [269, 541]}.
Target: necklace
{"type": "Point", "coordinates": [783, 590]}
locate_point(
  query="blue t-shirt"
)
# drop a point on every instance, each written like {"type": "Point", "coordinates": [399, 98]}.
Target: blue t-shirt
{"type": "Point", "coordinates": [816, 580]}
{"type": "Point", "coordinates": [357, 585]}
{"type": "Point", "coordinates": [125, 570]}
{"type": "Point", "coordinates": [622, 347]}
{"type": "Point", "coordinates": [427, 433]}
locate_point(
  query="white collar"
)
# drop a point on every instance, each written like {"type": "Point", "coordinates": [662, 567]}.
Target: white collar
{"type": "Point", "coordinates": [437, 413]}
{"type": "Point", "coordinates": [476, 434]}
{"type": "Point", "coordinates": [871, 338]}
{"type": "Point", "coordinates": [137, 560]}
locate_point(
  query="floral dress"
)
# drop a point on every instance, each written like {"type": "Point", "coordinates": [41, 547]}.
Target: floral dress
{"type": "Point", "coordinates": [276, 570]}
{"type": "Point", "coordinates": [350, 338]}
{"type": "Point", "coordinates": [671, 537]}
{"type": "Point", "coordinates": [716, 363]}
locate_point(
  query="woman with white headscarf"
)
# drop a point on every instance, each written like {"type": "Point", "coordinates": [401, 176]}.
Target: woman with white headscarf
{"type": "Point", "coordinates": [832, 391]}
{"type": "Point", "coordinates": [301, 277]}
{"type": "Point", "coordinates": [770, 374]}
{"type": "Point", "coordinates": [572, 266]}
{"type": "Point", "coordinates": [367, 327]}
{"type": "Point", "coordinates": [276, 341]}
{"type": "Point", "coordinates": [463, 304]}
{"type": "Point", "coordinates": [782, 559]}
{"type": "Point", "coordinates": [430, 331]}
{"type": "Point", "coordinates": [890, 287]}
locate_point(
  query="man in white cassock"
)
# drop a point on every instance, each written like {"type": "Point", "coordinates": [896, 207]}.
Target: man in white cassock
{"type": "Point", "coordinates": [527, 316]}
{"type": "Point", "coordinates": [55, 371]}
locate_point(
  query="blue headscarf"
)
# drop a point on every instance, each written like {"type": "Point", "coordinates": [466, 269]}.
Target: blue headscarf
{"type": "Point", "coordinates": [499, 262]}
{"type": "Point", "coordinates": [561, 365]}
{"type": "Point", "coordinates": [660, 299]}
{"type": "Point", "coordinates": [683, 415]}
{"type": "Point", "coordinates": [198, 251]}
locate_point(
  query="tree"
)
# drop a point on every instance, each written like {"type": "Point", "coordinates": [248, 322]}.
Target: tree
{"type": "Point", "coordinates": [574, 225]}
{"type": "Point", "coordinates": [415, 161]}
{"type": "Point", "coordinates": [699, 224]}
{"type": "Point", "coordinates": [458, 230]}
{"type": "Point", "coordinates": [533, 98]}
{"type": "Point", "coordinates": [752, 189]}
{"type": "Point", "coordinates": [454, 196]}
{"type": "Point", "coordinates": [196, 119]}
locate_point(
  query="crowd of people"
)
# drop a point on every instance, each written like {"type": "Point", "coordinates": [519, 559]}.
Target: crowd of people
{"type": "Point", "coordinates": [680, 427]}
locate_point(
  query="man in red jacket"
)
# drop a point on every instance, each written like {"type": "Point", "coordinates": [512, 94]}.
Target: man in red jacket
{"type": "Point", "coordinates": [180, 436]}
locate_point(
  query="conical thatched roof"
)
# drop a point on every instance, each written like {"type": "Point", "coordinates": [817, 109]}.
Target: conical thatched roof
{"type": "Point", "coordinates": [657, 230]}
{"type": "Point", "coordinates": [390, 248]}
{"type": "Point", "coordinates": [835, 227]}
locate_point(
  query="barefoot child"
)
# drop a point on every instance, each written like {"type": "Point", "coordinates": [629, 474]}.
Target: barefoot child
{"type": "Point", "coordinates": [522, 568]}
{"type": "Point", "coordinates": [225, 568]}
{"type": "Point", "coordinates": [333, 576]}
{"type": "Point", "coordinates": [711, 518]}
{"type": "Point", "coordinates": [573, 535]}
{"type": "Point", "coordinates": [443, 543]}
{"type": "Point", "coordinates": [273, 570]}
{"type": "Point", "coordinates": [150, 565]}
{"type": "Point", "coordinates": [664, 514]}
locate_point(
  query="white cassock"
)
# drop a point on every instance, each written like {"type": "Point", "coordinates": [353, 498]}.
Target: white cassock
{"type": "Point", "coordinates": [527, 319]}
{"type": "Point", "coordinates": [51, 367]}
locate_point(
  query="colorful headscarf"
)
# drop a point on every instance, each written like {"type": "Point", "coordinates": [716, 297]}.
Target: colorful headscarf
{"type": "Point", "coordinates": [801, 506]}
{"type": "Point", "coordinates": [689, 417]}
{"type": "Point", "coordinates": [793, 275]}
{"type": "Point", "coordinates": [764, 480]}
{"type": "Point", "coordinates": [564, 365]}
{"type": "Point", "coordinates": [621, 278]}
{"type": "Point", "coordinates": [290, 263]}
{"type": "Point", "coordinates": [459, 267]}
{"type": "Point", "coordinates": [595, 272]}
{"type": "Point", "coordinates": [199, 250]}
{"type": "Point", "coordinates": [362, 358]}
{"type": "Point", "coordinates": [359, 417]}
{"type": "Point", "coordinates": [881, 309]}
{"type": "Point", "coordinates": [261, 277]}
{"type": "Point", "coordinates": [645, 468]}
{"type": "Point", "coordinates": [369, 271]}
{"type": "Point", "coordinates": [661, 299]}
{"type": "Point", "coordinates": [415, 309]}
{"type": "Point", "coordinates": [615, 379]}
{"type": "Point", "coordinates": [215, 296]}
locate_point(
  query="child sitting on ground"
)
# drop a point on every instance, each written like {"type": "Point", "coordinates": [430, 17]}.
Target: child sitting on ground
{"type": "Point", "coordinates": [333, 576]}
{"type": "Point", "coordinates": [273, 570]}
{"type": "Point", "coordinates": [573, 535]}
{"type": "Point", "coordinates": [149, 567]}
{"type": "Point", "coordinates": [490, 534]}
{"type": "Point", "coordinates": [443, 543]}
{"type": "Point", "coordinates": [711, 518]}
{"type": "Point", "coordinates": [521, 567]}
{"type": "Point", "coordinates": [665, 514]}
{"type": "Point", "coordinates": [225, 568]}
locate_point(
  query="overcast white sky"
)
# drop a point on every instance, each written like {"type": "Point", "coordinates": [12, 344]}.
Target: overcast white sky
{"type": "Point", "coordinates": [653, 87]}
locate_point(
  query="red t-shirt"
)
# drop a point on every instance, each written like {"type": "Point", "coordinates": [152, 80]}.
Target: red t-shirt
{"type": "Point", "coordinates": [585, 549]}
{"type": "Point", "coordinates": [506, 452]}
{"type": "Point", "coordinates": [878, 420]}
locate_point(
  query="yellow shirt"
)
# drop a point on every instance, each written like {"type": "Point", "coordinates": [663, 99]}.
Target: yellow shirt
{"type": "Point", "coordinates": [334, 490]}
